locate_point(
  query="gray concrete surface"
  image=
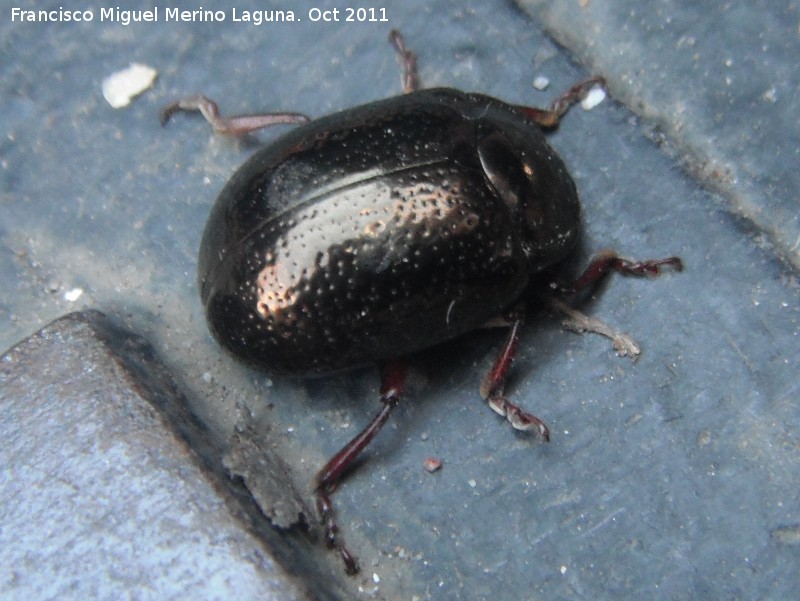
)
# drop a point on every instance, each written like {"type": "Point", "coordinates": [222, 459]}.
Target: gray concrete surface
{"type": "Point", "coordinates": [102, 496]}
{"type": "Point", "coordinates": [716, 82]}
{"type": "Point", "coordinates": [670, 478]}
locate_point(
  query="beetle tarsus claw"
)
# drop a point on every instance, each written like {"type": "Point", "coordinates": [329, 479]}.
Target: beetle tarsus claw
{"type": "Point", "coordinates": [519, 419]}
{"type": "Point", "coordinates": [494, 383]}
{"type": "Point", "coordinates": [350, 562]}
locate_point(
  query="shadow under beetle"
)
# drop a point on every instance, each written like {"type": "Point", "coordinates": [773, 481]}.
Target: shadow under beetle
{"type": "Point", "coordinates": [381, 230]}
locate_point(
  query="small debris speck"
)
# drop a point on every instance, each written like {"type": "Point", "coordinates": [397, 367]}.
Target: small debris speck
{"type": "Point", "coordinates": [771, 95]}
{"type": "Point", "coordinates": [786, 535]}
{"type": "Point", "coordinates": [123, 86]}
{"type": "Point", "coordinates": [73, 295]}
{"type": "Point", "coordinates": [432, 464]}
{"type": "Point", "coordinates": [595, 96]}
{"type": "Point", "coordinates": [472, 483]}
{"type": "Point", "coordinates": [541, 82]}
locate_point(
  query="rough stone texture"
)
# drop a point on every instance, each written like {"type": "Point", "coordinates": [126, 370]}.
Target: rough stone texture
{"type": "Point", "coordinates": [674, 477]}
{"type": "Point", "coordinates": [718, 82]}
{"type": "Point", "coordinates": [101, 498]}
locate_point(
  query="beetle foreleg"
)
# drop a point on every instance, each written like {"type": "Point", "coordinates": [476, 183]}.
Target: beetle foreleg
{"type": "Point", "coordinates": [599, 267]}
{"type": "Point", "coordinates": [550, 117]}
{"type": "Point", "coordinates": [393, 376]}
{"type": "Point", "coordinates": [236, 125]}
{"type": "Point", "coordinates": [608, 260]}
{"type": "Point", "coordinates": [494, 384]}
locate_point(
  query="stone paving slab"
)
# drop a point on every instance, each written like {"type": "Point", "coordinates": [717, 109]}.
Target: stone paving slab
{"type": "Point", "coordinates": [674, 477]}
{"type": "Point", "coordinates": [102, 498]}
{"type": "Point", "coordinates": [717, 82]}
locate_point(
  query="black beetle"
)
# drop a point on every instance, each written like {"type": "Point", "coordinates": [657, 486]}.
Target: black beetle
{"type": "Point", "coordinates": [385, 229]}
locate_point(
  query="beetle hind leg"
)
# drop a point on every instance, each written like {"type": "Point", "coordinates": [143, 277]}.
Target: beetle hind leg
{"type": "Point", "coordinates": [393, 376]}
{"type": "Point", "coordinates": [236, 125]}
{"type": "Point", "coordinates": [408, 60]}
{"type": "Point", "coordinates": [494, 384]}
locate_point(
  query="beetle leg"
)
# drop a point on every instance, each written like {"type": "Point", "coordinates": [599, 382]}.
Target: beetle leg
{"type": "Point", "coordinates": [608, 260]}
{"type": "Point", "coordinates": [580, 322]}
{"type": "Point", "coordinates": [599, 267]}
{"type": "Point", "coordinates": [550, 117]}
{"type": "Point", "coordinates": [236, 125]}
{"type": "Point", "coordinates": [393, 376]}
{"type": "Point", "coordinates": [494, 384]}
{"type": "Point", "coordinates": [409, 61]}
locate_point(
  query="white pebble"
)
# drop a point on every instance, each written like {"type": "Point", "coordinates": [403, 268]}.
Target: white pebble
{"type": "Point", "coordinates": [595, 96]}
{"type": "Point", "coordinates": [541, 82]}
{"type": "Point", "coordinates": [121, 87]}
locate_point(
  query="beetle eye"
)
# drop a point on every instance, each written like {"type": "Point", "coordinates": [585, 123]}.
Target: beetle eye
{"type": "Point", "coordinates": [504, 169]}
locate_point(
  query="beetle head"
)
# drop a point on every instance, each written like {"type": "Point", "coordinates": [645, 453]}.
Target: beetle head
{"type": "Point", "coordinates": [527, 175]}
